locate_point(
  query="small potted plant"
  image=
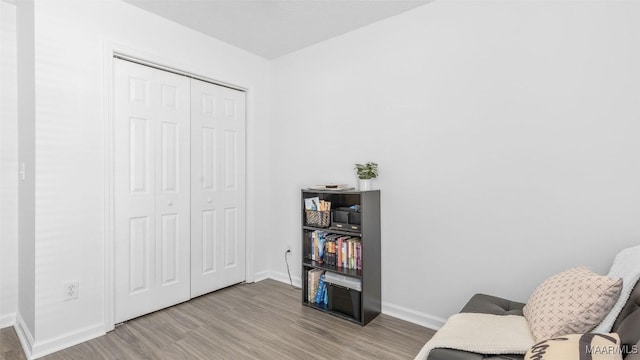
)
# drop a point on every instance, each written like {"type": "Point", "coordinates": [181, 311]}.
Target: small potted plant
{"type": "Point", "coordinates": [366, 172]}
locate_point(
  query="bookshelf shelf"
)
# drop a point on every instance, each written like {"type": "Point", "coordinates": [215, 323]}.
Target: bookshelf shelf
{"type": "Point", "coordinates": [332, 230]}
{"type": "Point", "coordinates": [355, 296]}
{"type": "Point", "coordinates": [348, 272]}
{"type": "Point", "coordinates": [325, 308]}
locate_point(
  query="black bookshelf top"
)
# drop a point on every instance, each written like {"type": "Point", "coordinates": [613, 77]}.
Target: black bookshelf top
{"type": "Point", "coordinates": [333, 231]}
{"type": "Point", "coordinates": [340, 270]}
{"type": "Point", "coordinates": [328, 191]}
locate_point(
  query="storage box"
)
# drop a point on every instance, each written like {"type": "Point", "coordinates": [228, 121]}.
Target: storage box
{"type": "Point", "coordinates": [346, 218]}
{"type": "Point", "coordinates": [355, 218]}
{"type": "Point", "coordinates": [317, 218]}
{"type": "Point", "coordinates": [344, 294]}
{"type": "Point", "coordinates": [344, 300]}
{"type": "Point", "coordinates": [340, 216]}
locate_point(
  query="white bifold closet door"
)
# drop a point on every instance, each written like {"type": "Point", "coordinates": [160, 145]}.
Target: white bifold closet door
{"type": "Point", "coordinates": [179, 188]}
{"type": "Point", "coordinates": [152, 189]}
{"type": "Point", "coordinates": [217, 187]}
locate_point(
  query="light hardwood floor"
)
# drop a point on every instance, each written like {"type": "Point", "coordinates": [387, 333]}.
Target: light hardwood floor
{"type": "Point", "coordinates": [264, 320]}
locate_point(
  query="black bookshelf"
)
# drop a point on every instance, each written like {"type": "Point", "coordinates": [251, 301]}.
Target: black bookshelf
{"type": "Point", "coordinates": [368, 233]}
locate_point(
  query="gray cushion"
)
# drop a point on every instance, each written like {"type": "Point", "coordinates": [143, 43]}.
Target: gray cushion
{"type": "Point", "coordinates": [449, 354]}
{"type": "Point", "coordinates": [487, 304]}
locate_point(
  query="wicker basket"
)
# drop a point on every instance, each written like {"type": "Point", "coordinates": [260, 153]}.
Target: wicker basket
{"type": "Point", "coordinates": [318, 218]}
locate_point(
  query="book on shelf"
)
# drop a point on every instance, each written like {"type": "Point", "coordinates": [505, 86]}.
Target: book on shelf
{"type": "Point", "coordinates": [318, 245]}
{"type": "Point", "coordinates": [315, 204]}
{"type": "Point", "coordinates": [336, 250]}
{"type": "Point", "coordinates": [321, 292]}
{"type": "Point", "coordinates": [312, 284]}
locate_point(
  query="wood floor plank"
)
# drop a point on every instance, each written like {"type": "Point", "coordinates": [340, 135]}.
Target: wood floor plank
{"type": "Point", "coordinates": [264, 320]}
{"type": "Point", "coordinates": [10, 347]}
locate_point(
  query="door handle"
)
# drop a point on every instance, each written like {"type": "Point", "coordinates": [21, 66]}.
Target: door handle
{"type": "Point", "coordinates": [170, 203]}
{"type": "Point", "coordinates": [209, 200]}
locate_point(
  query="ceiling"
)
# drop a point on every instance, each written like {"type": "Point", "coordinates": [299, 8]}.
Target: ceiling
{"type": "Point", "coordinates": [272, 28]}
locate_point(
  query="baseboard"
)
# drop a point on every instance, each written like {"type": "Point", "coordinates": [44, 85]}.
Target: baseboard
{"type": "Point", "coordinates": [283, 277]}
{"type": "Point", "coordinates": [34, 350]}
{"type": "Point", "coordinates": [7, 320]}
{"type": "Point", "coordinates": [24, 335]}
{"type": "Point", "coordinates": [42, 348]}
{"type": "Point", "coordinates": [416, 317]}
{"type": "Point", "coordinates": [259, 276]}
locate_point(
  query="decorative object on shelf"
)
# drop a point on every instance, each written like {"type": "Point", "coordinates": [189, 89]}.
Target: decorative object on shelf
{"type": "Point", "coordinates": [331, 187]}
{"type": "Point", "coordinates": [317, 211]}
{"type": "Point", "coordinates": [366, 172]}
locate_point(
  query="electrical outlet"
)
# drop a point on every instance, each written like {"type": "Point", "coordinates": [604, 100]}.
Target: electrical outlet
{"type": "Point", "coordinates": [288, 247]}
{"type": "Point", "coordinates": [71, 290]}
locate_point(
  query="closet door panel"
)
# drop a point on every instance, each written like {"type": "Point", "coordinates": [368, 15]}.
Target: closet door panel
{"type": "Point", "coordinates": [217, 187]}
{"type": "Point", "coordinates": [152, 178]}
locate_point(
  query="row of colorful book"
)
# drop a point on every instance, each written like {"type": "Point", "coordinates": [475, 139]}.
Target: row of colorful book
{"type": "Point", "coordinates": [337, 250]}
{"type": "Point", "coordinates": [316, 287]}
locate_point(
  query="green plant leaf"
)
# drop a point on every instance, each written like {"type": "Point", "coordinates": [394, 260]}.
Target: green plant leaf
{"type": "Point", "coordinates": [367, 171]}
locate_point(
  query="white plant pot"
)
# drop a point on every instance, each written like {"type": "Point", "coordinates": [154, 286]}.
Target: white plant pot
{"type": "Point", "coordinates": [365, 184]}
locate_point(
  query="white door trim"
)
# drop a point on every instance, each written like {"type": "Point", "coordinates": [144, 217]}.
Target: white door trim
{"type": "Point", "coordinates": [111, 49]}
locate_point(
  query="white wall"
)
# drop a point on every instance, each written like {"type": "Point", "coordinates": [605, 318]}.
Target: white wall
{"type": "Point", "coordinates": [25, 27]}
{"type": "Point", "coordinates": [71, 38]}
{"type": "Point", "coordinates": [8, 166]}
{"type": "Point", "coordinates": [506, 134]}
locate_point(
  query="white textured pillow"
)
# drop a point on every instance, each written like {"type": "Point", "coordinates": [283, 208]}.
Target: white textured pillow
{"type": "Point", "coordinates": [627, 266]}
{"type": "Point", "coordinates": [571, 302]}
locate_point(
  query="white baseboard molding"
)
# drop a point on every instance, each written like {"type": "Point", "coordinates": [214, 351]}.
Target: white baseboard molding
{"type": "Point", "coordinates": [49, 346]}
{"type": "Point", "coordinates": [284, 277]}
{"type": "Point", "coordinates": [7, 320]}
{"type": "Point", "coordinates": [24, 335]}
{"type": "Point", "coordinates": [259, 276]}
{"type": "Point", "coordinates": [416, 317]}
{"type": "Point", "coordinates": [34, 350]}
